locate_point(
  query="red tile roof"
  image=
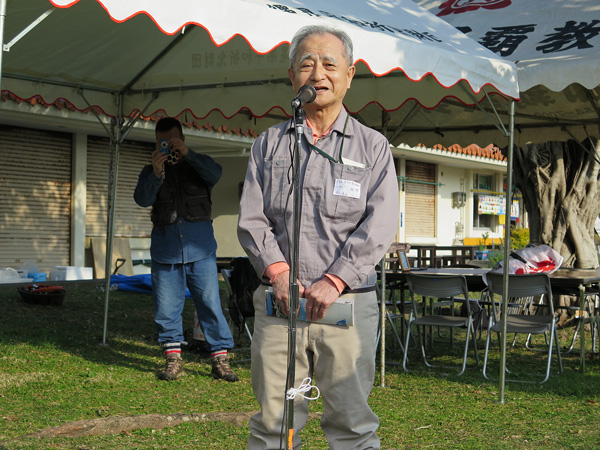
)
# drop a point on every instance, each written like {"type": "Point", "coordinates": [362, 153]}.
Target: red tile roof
{"type": "Point", "coordinates": [491, 151]}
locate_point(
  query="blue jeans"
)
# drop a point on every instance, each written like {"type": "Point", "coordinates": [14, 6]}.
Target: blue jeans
{"type": "Point", "coordinates": [168, 292]}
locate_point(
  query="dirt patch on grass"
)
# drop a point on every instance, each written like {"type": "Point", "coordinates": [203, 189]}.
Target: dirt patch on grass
{"type": "Point", "coordinates": [116, 425]}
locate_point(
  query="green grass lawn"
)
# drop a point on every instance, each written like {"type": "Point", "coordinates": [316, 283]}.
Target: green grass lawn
{"type": "Point", "coordinates": [53, 372]}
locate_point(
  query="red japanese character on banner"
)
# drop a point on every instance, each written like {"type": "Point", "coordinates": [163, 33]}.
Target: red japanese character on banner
{"type": "Point", "coordinates": [461, 6]}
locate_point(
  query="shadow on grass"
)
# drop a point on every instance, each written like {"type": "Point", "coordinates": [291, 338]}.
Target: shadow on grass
{"type": "Point", "coordinates": [525, 364]}
{"type": "Point", "coordinates": [77, 326]}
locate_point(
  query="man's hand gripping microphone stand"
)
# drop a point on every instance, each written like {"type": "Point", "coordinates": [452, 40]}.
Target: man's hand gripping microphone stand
{"type": "Point", "coordinates": [306, 94]}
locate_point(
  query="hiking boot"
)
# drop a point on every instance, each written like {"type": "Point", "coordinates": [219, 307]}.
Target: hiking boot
{"type": "Point", "coordinates": [221, 369]}
{"type": "Point", "coordinates": [173, 368]}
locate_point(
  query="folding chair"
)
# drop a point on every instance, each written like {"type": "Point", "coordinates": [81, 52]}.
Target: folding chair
{"type": "Point", "coordinates": [531, 295]}
{"type": "Point", "coordinates": [591, 308]}
{"type": "Point", "coordinates": [446, 288]}
{"type": "Point", "coordinates": [391, 316]}
{"type": "Point", "coordinates": [394, 311]}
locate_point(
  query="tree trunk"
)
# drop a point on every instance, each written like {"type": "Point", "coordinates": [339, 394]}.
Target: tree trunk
{"type": "Point", "coordinates": [560, 186]}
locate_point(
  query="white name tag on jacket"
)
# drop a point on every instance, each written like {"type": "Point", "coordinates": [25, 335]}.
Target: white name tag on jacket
{"type": "Point", "coordinates": [346, 188]}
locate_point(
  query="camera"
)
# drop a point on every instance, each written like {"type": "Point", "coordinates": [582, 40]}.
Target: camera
{"type": "Point", "coordinates": [163, 144]}
{"type": "Point", "coordinates": [172, 157]}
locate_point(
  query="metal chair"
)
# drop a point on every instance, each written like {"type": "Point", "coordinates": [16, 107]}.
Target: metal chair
{"type": "Point", "coordinates": [591, 308]}
{"type": "Point", "coordinates": [445, 287]}
{"type": "Point", "coordinates": [532, 317]}
{"type": "Point", "coordinates": [390, 318]}
{"type": "Point", "coordinates": [396, 309]}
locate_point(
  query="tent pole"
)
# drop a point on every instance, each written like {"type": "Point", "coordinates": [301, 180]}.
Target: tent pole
{"type": "Point", "coordinates": [112, 191]}
{"type": "Point", "coordinates": [497, 123]}
{"type": "Point", "coordinates": [505, 266]}
{"type": "Point", "coordinates": [117, 135]}
{"type": "Point", "coordinates": [5, 47]}
{"type": "Point", "coordinates": [412, 113]}
{"type": "Point", "coordinates": [2, 17]}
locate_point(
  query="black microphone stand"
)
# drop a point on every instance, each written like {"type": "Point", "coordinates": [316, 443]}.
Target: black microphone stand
{"type": "Point", "coordinates": [294, 293]}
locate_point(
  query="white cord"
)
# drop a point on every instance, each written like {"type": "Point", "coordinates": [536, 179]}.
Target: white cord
{"type": "Point", "coordinates": [304, 387]}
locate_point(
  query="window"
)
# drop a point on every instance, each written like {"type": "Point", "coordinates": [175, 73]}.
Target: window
{"type": "Point", "coordinates": [485, 209]}
{"type": "Point", "coordinates": [483, 182]}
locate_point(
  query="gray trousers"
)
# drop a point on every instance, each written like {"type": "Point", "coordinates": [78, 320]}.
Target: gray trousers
{"type": "Point", "coordinates": [341, 361]}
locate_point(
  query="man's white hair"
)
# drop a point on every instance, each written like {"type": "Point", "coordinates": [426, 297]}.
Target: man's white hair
{"type": "Point", "coordinates": [309, 30]}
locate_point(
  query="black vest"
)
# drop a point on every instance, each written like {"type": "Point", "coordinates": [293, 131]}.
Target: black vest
{"type": "Point", "coordinates": [183, 193]}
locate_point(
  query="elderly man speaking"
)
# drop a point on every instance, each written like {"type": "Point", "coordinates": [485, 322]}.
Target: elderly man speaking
{"type": "Point", "coordinates": [348, 218]}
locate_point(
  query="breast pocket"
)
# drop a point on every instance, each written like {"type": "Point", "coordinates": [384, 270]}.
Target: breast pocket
{"type": "Point", "coordinates": [278, 186]}
{"type": "Point", "coordinates": [345, 194]}
{"type": "Point", "coordinates": [197, 200]}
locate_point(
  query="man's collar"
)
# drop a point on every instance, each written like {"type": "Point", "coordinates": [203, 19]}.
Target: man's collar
{"type": "Point", "coordinates": [338, 125]}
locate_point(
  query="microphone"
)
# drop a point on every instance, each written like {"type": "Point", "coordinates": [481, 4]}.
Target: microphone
{"type": "Point", "coordinates": [306, 94]}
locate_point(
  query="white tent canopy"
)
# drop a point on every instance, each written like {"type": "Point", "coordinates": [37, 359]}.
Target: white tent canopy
{"type": "Point", "coordinates": [555, 45]}
{"type": "Point", "coordinates": [227, 61]}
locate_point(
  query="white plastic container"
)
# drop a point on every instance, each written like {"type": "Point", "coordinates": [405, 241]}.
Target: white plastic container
{"type": "Point", "coordinates": [66, 273]}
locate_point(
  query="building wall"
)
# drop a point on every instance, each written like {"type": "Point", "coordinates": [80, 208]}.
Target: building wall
{"type": "Point", "coordinates": [454, 220]}
{"type": "Point", "coordinates": [451, 220]}
{"type": "Point", "coordinates": [86, 192]}
{"type": "Point", "coordinates": [226, 203]}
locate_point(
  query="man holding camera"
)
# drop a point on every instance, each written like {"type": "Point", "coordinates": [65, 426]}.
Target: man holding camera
{"type": "Point", "coordinates": [178, 185]}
